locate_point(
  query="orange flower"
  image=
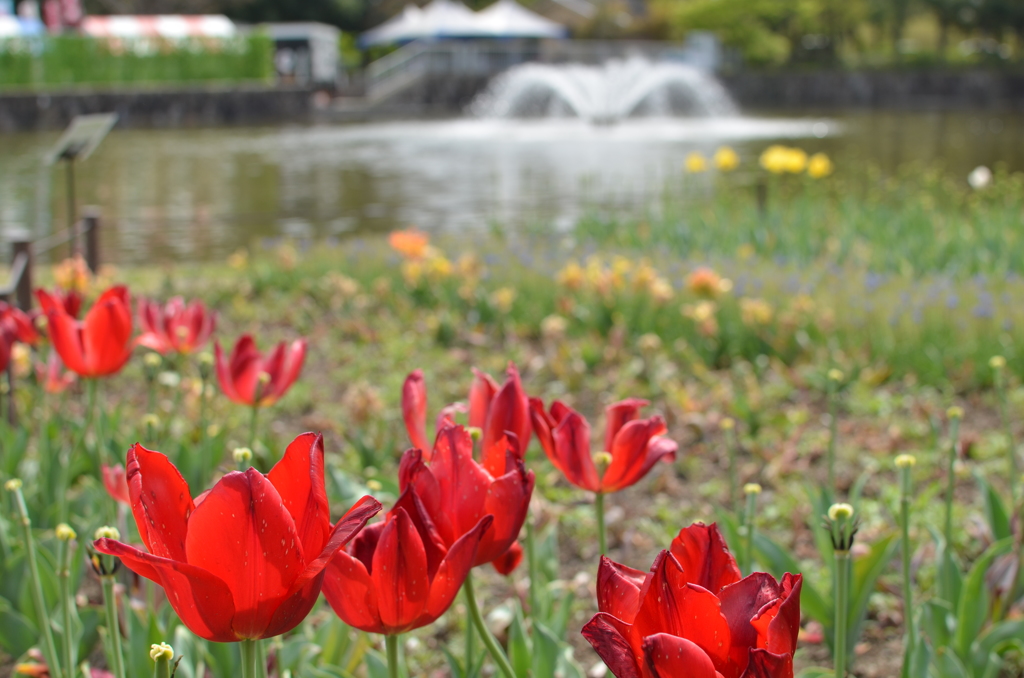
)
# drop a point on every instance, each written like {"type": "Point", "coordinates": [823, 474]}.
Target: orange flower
{"type": "Point", "coordinates": [411, 244]}
{"type": "Point", "coordinates": [704, 282]}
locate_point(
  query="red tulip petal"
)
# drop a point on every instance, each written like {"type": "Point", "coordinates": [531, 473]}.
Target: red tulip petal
{"type": "Point", "coordinates": [65, 335]}
{"type": "Point", "coordinates": [704, 556]}
{"type": "Point", "coordinates": [116, 483]}
{"type": "Point", "coordinates": [306, 588]}
{"type": "Point", "coordinates": [742, 602]}
{"type": "Point", "coordinates": [778, 623]}
{"type": "Point", "coordinates": [202, 601]}
{"type": "Point", "coordinates": [509, 411]}
{"type": "Point", "coordinates": [243, 534]}
{"type": "Point", "coordinates": [618, 589]}
{"type": "Point", "coordinates": [223, 373]}
{"type": "Point", "coordinates": [572, 452]}
{"type": "Point", "coordinates": [508, 500]}
{"type": "Point", "coordinates": [764, 664]}
{"type": "Point", "coordinates": [106, 333]}
{"type": "Point", "coordinates": [635, 451]}
{"type": "Point", "coordinates": [350, 593]}
{"type": "Point", "coordinates": [454, 568]}
{"type": "Point", "coordinates": [299, 479]}
{"type": "Point", "coordinates": [243, 371]}
{"type": "Point", "coordinates": [506, 563]}
{"type": "Point", "coordinates": [610, 639]}
{"type": "Point", "coordinates": [618, 415]}
{"type": "Point", "coordinates": [462, 484]}
{"type": "Point", "coordinates": [160, 501]}
{"type": "Point", "coordinates": [399, 572]}
{"type": "Point", "coordinates": [668, 604]}
{"type": "Point", "coordinates": [294, 358]}
{"type": "Point", "coordinates": [434, 545]}
{"type": "Point", "coordinates": [543, 425]}
{"type": "Point", "coordinates": [481, 393]}
{"type": "Point", "coordinates": [669, 656]}
{"type": "Point", "coordinates": [414, 409]}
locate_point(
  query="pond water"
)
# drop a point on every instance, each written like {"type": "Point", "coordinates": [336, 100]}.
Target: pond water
{"type": "Point", "coordinates": [182, 194]}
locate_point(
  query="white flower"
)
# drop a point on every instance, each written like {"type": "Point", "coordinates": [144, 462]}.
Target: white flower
{"type": "Point", "coordinates": [980, 177]}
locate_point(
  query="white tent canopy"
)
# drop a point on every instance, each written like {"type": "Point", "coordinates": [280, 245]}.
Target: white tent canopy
{"type": "Point", "coordinates": [452, 19]}
{"type": "Point", "coordinates": [509, 19]}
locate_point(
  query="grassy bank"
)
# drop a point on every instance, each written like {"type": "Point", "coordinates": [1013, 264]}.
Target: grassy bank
{"type": "Point", "coordinates": [64, 61]}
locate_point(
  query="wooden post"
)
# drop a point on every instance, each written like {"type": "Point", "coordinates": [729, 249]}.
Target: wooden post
{"type": "Point", "coordinates": [20, 244]}
{"type": "Point", "coordinates": [91, 226]}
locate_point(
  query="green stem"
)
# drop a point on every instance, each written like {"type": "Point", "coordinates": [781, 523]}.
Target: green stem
{"type": "Point", "coordinates": [252, 428]}
{"type": "Point", "coordinates": [497, 654]}
{"type": "Point", "coordinates": [602, 540]}
{"type": "Point", "coordinates": [391, 642]}
{"type": "Point", "coordinates": [248, 650]}
{"type": "Point", "coordinates": [531, 564]}
{"type": "Point", "coordinates": [90, 399]}
{"type": "Point", "coordinates": [113, 627]}
{"type": "Point", "coordinates": [42, 614]}
{"type": "Point", "coordinates": [748, 552]}
{"type": "Point", "coordinates": [734, 483]}
{"type": "Point", "coordinates": [67, 602]}
{"type": "Point", "coordinates": [162, 668]}
{"type": "Point", "coordinates": [954, 427]}
{"type": "Point", "coordinates": [833, 434]}
{"type": "Point", "coordinates": [261, 659]}
{"type": "Point", "coordinates": [842, 559]}
{"type": "Point", "coordinates": [470, 643]}
{"type": "Point", "coordinates": [1011, 448]}
{"type": "Point", "coordinates": [905, 547]}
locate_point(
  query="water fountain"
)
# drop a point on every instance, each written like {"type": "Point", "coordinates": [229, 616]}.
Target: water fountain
{"type": "Point", "coordinates": [619, 89]}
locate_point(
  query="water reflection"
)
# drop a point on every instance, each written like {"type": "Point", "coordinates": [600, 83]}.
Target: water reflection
{"type": "Point", "coordinates": [201, 193]}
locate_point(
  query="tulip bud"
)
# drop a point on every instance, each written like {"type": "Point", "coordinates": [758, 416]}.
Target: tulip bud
{"type": "Point", "coordinates": [161, 651]}
{"type": "Point", "coordinates": [151, 421]}
{"type": "Point", "coordinates": [728, 424]}
{"type": "Point", "coordinates": [374, 485]}
{"type": "Point", "coordinates": [169, 379]}
{"type": "Point", "coordinates": [475, 432]}
{"type": "Point", "coordinates": [13, 485]}
{"type": "Point", "coordinates": [242, 455]}
{"type": "Point", "coordinates": [205, 365]}
{"type": "Point", "coordinates": [997, 362]}
{"type": "Point", "coordinates": [212, 431]}
{"type": "Point", "coordinates": [839, 512]}
{"type": "Point", "coordinates": [751, 488]}
{"type": "Point", "coordinates": [152, 360]}
{"type": "Point", "coordinates": [955, 412]}
{"type": "Point", "coordinates": [107, 532]}
{"type": "Point", "coordinates": [835, 375]}
{"type": "Point", "coordinates": [905, 460]}
{"type": "Point", "coordinates": [66, 533]}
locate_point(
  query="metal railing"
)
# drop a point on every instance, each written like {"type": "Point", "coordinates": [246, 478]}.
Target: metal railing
{"type": "Point", "coordinates": [408, 64]}
{"type": "Point", "coordinates": [24, 251]}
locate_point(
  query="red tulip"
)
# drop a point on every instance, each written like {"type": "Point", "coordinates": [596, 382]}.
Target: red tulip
{"type": "Point", "coordinates": [247, 559]}
{"type": "Point", "coordinates": [399, 574]}
{"type": "Point", "coordinates": [15, 325]}
{"type": "Point", "coordinates": [669, 624]}
{"type": "Point", "coordinates": [635, 445]}
{"type": "Point", "coordinates": [115, 480]}
{"type": "Point", "coordinates": [175, 326]}
{"type": "Point", "coordinates": [101, 344]}
{"type": "Point", "coordinates": [457, 492]}
{"type": "Point", "coordinates": [493, 409]}
{"type": "Point", "coordinates": [250, 379]}
{"type": "Point", "coordinates": [52, 375]}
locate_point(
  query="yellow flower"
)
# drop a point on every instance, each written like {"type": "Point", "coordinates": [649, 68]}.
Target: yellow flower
{"type": "Point", "coordinates": [412, 271]}
{"type": "Point", "coordinates": [755, 311]}
{"type": "Point", "coordinates": [239, 260]}
{"type": "Point", "coordinates": [704, 282]}
{"type": "Point", "coordinates": [571, 276]}
{"type": "Point", "coordinates": [819, 166]}
{"type": "Point", "coordinates": [661, 290]}
{"type": "Point", "coordinates": [778, 159]}
{"type": "Point", "coordinates": [72, 274]}
{"type": "Point", "coordinates": [439, 267]}
{"type": "Point", "coordinates": [696, 163]}
{"type": "Point", "coordinates": [411, 244]}
{"type": "Point", "coordinates": [503, 298]}
{"type": "Point", "coordinates": [726, 159]}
